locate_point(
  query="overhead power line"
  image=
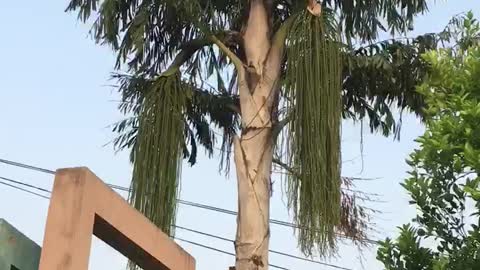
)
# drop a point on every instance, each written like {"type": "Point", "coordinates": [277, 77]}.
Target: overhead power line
{"type": "Point", "coordinates": [176, 226]}
{"type": "Point", "coordinates": [224, 252]}
{"type": "Point", "coordinates": [234, 213]}
{"type": "Point", "coordinates": [184, 202]}
{"type": "Point", "coordinates": [271, 251]}
{"type": "Point", "coordinates": [25, 184]}
{"type": "Point", "coordinates": [24, 190]}
{"type": "Point", "coordinates": [25, 166]}
{"type": "Point", "coordinates": [177, 238]}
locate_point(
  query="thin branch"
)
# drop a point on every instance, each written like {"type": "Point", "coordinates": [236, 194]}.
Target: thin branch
{"type": "Point", "coordinates": [275, 55]}
{"type": "Point", "coordinates": [233, 57]}
{"type": "Point", "coordinates": [281, 124]}
{"type": "Point", "coordinates": [189, 48]}
{"type": "Point", "coordinates": [284, 166]}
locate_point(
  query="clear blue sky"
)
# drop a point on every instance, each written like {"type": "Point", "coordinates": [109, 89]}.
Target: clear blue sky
{"type": "Point", "coordinates": [55, 107]}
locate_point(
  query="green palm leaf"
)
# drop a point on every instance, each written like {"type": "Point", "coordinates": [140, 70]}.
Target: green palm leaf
{"type": "Point", "coordinates": [313, 82]}
{"type": "Point", "coordinates": [158, 152]}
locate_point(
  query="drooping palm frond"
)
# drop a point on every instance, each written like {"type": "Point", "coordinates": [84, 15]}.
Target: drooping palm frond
{"type": "Point", "coordinates": [313, 86]}
{"type": "Point", "coordinates": [382, 77]}
{"type": "Point", "coordinates": [355, 216]}
{"type": "Point", "coordinates": [158, 152]}
{"type": "Point", "coordinates": [222, 112]}
{"type": "Point", "coordinates": [208, 117]}
{"type": "Point", "coordinates": [364, 19]}
{"type": "Point", "coordinates": [146, 34]}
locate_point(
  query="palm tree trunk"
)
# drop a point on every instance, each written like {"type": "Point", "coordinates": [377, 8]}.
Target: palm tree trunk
{"type": "Point", "coordinates": [253, 158]}
{"type": "Point", "coordinates": [254, 149]}
{"type": "Point", "coordinates": [253, 153]}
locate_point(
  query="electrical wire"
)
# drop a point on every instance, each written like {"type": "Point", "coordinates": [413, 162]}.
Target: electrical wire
{"type": "Point", "coordinates": [180, 239]}
{"type": "Point", "coordinates": [176, 226]}
{"type": "Point", "coordinates": [25, 184]}
{"type": "Point", "coordinates": [25, 166]}
{"type": "Point", "coordinates": [184, 202]}
{"type": "Point", "coordinates": [177, 238]}
{"type": "Point", "coordinates": [224, 252]}
{"type": "Point", "coordinates": [24, 190]}
{"type": "Point", "coordinates": [271, 251]}
{"type": "Point", "coordinates": [272, 221]}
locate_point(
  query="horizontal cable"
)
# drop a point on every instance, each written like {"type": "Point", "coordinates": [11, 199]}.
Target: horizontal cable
{"type": "Point", "coordinates": [25, 184]}
{"type": "Point", "coordinates": [25, 166]}
{"type": "Point", "coordinates": [24, 190]}
{"type": "Point", "coordinates": [176, 226]}
{"type": "Point", "coordinates": [271, 251]}
{"type": "Point", "coordinates": [223, 251]}
{"type": "Point", "coordinates": [184, 202]}
{"type": "Point", "coordinates": [180, 239]}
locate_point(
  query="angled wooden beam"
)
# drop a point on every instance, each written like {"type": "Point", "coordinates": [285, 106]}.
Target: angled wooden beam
{"type": "Point", "coordinates": [81, 206]}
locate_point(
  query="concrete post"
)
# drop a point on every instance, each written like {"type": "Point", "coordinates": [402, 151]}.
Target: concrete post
{"type": "Point", "coordinates": [81, 206]}
{"type": "Point", "coordinates": [17, 252]}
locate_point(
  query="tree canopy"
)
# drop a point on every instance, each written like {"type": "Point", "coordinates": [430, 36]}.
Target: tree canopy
{"type": "Point", "coordinates": [179, 89]}
{"type": "Point", "coordinates": [444, 183]}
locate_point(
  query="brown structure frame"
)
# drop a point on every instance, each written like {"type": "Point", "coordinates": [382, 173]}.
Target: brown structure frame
{"type": "Point", "coordinates": [82, 205]}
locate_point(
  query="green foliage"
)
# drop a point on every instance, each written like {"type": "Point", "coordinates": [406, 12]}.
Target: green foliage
{"type": "Point", "coordinates": [217, 110]}
{"type": "Point", "coordinates": [383, 76]}
{"type": "Point", "coordinates": [153, 30]}
{"type": "Point", "coordinates": [313, 81]}
{"type": "Point", "coordinates": [220, 109]}
{"type": "Point", "coordinates": [147, 33]}
{"type": "Point", "coordinates": [444, 178]}
{"type": "Point", "coordinates": [363, 19]}
{"type": "Point", "coordinates": [406, 253]}
{"type": "Point", "coordinates": [157, 153]}
{"type": "Point", "coordinates": [165, 37]}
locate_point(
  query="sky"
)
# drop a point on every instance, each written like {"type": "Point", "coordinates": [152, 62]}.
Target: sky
{"type": "Point", "coordinates": [57, 107]}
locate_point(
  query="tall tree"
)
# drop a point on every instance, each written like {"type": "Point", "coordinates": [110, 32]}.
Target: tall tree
{"type": "Point", "coordinates": [286, 72]}
{"type": "Point", "coordinates": [444, 182]}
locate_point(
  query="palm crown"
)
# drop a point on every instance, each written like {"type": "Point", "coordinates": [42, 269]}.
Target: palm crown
{"type": "Point", "coordinates": [185, 63]}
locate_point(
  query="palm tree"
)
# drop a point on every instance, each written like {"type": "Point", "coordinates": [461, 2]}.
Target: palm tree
{"type": "Point", "coordinates": [285, 73]}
